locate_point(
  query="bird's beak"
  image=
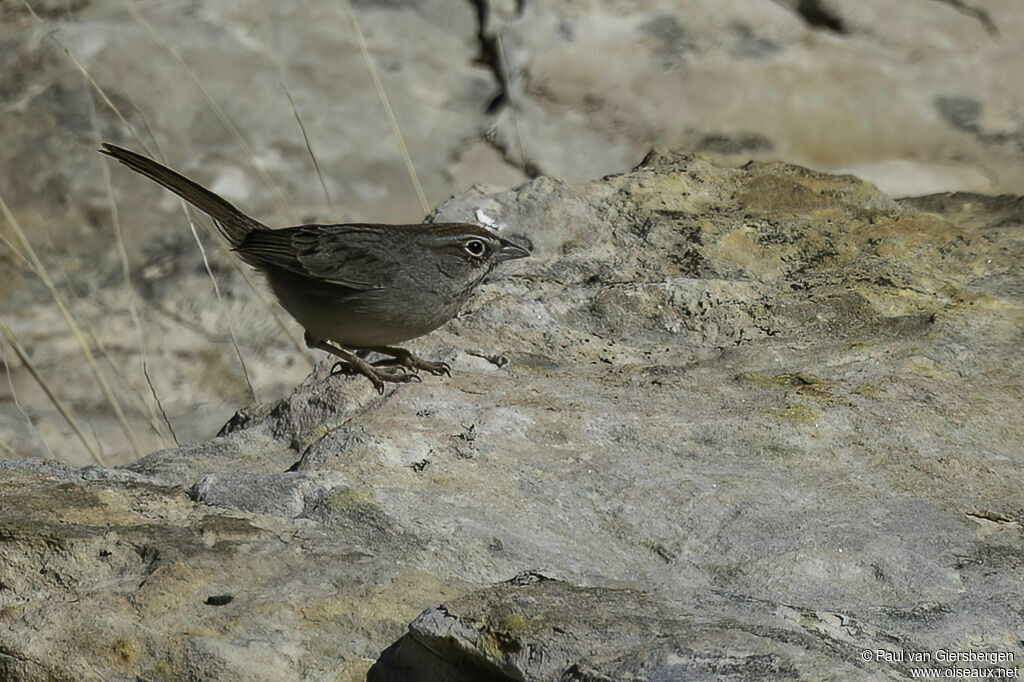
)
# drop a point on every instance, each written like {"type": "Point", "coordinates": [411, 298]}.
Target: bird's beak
{"type": "Point", "coordinates": [510, 251]}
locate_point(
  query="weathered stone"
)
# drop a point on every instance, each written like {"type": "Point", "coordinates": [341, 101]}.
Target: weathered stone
{"type": "Point", "coordinates": [917, 96]}
{"type": "Point", "coordinates": [544, 630]}
{"type": "Point", "coordinates": [754, 421]}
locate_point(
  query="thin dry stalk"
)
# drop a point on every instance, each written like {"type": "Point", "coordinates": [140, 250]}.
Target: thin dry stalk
{"type": "Point", "coordinates": [19, 351]}
{"type": "Point", "coordinates": [259, 169]}
{"type": "Point", "coordinates": [122, 253]}
{"type": "Point", "coordinates": [223, 117]}
{"type": "Point", "coordinates": [76, 331]}
{"type": "Point", "coordinates": [17, 404]}
{"type": "Point", "coordinates": [99, 443]}
{"type": "Point", "coordinates": [9, 450]}
{"type": "Point", "coordinates": [151, 416]}
{"type": "Point", "coordinates": [403, 150]}
{"type": "Point", "coordinates": [309, 147]}
{"type": "Point", "coordinates": [267, 304]}
{"type": "Point", "coordinates": [228, 318]}
{"type": "Point", "coordinates": [80, 67]}
{"type": "Point", "coordinates": [503, 66]}
{"type": "Point", "coordinates": [17, 252]}
{"type": "Point", "coordinates": [227, 314]}
{"type": "Point", "coordinates": [134, 133]}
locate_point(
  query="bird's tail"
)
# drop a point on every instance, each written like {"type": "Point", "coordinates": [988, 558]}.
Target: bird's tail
{"type": "Point", "coordinates": [231, 222]}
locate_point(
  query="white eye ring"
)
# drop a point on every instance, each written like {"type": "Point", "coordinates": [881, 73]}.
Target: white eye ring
{"type": "Point", "coordinates": [475, 247]}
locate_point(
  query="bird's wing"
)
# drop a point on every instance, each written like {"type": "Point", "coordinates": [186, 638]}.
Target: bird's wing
{"type": "Point", "coordinates": [355, 256]}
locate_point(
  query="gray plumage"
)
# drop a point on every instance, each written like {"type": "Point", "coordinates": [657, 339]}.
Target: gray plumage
{"type": "Point", "coordinates": [359, 285]}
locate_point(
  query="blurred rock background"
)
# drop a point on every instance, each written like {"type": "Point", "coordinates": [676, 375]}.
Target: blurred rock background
{"type": "Point", "coordinates": [917, 97]}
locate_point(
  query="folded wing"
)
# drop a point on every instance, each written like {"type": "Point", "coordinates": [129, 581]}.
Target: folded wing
{"type": "Point", "coordinates": [359, 260]}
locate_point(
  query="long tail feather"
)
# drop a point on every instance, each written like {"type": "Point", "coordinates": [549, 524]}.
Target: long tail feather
{"type": "Point", "coordinates": [231, 222]}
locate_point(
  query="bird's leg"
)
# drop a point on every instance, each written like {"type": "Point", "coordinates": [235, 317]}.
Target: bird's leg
{"type": "Point", "coordinates": [351, 361]}
{"type": "Point", "coordinates": [403, 358]}
{"type": "Point", "coordinates": [340, 366]}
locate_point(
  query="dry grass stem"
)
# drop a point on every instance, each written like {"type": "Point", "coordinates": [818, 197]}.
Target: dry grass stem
{"type": "Point", "coordinates": [150, 413]}
{"type": "Point", "coordinates": [268, 305]}
{"type": "Point", "coordinates": [9, 450]}
{"type": "Point", "coordinates": [17, 403]}
{"type": "Point", "coordinates": [309, 147]}
{"type": "Point", "coordinates": [228, 318]}
{"type": "Point", "coordinates": [122, 253]}
{"type": "Point", "coordinates": [220, 299]}
{"type": "Point", "coordinates": [20, 352]}
{"type": "Point", "coordinates": [506, 76]}
{"type": "Point", "coordinates": [76, 331]}
{"type": "Point", "coordinates": [212, 103]}
{"type": "Point", "coordinates": [263, 174]}
{"type": "Point", "coordinates": [16, 251]}
{"type": "Point", "coordinates": [368, 60]}
{"type": "Point", "coordinates": [88, 76]}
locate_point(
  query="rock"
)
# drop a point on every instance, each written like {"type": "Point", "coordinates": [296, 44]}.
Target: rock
{"type": "Point", "coordinates": [535, 628]}
{"type": "Point", "coordinates": [918, 97]}
{"type": "Point", "coordinates": [755, 422]}
{"type": "Point", "coordinates": [207, 352]}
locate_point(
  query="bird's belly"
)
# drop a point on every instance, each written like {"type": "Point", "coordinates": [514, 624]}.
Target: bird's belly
{"type": "Point", "coordinates": [365, 332]}
{"type": "Point", "coordinates": [358, 318]}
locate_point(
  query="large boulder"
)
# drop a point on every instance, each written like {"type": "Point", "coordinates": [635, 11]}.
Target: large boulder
{"type": "Point", "coordinates": [757, 421]}
{"type": "Point", "coordinates": [917, 96]}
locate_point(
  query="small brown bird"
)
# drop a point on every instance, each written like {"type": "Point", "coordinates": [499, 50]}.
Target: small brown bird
{"type": "Point", "coordinates": [354, 287]}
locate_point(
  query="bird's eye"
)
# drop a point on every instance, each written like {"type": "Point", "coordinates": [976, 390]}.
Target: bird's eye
{"type": "Point", "coordinates": [475, 247]}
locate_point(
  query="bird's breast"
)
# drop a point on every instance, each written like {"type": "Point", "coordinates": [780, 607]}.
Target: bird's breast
{"type": "Point", "coordinates": [362, 317]}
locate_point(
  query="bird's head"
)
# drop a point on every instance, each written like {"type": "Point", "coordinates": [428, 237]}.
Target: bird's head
{"type": "Point", "coordinates": [467, 253]}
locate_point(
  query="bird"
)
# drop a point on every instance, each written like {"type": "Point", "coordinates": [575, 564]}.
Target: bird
{"type": "Point", "coordinates": [355, 288]}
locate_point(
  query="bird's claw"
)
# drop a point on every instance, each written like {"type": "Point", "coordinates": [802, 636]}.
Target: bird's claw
{"type": "Point", "coordinates": [402, 369]}
{"type": "Point", "coordinates": [378, 377]}
{"type": "Point", "coordinates": [342, 367]}
{"type": "Point", "coordinates": [440, 368]}
{"type": "Point", "coordinates": [415, 364]}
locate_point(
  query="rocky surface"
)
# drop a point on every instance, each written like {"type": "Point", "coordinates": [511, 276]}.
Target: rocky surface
{"type": "Point", "coordinates": [752, 422]}
{"type": "Point", "coordinates": [535, 628]}
{"type": "Point", "coordinates": [918, 96]}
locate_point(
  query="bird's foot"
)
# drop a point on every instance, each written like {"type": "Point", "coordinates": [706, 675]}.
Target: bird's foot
{"type": "Point", "coordinates": [351, 363]}
{"type": "Point", "coordinates": [378, 377]}
{"type": "Point", "coordinates": [406, 360]}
